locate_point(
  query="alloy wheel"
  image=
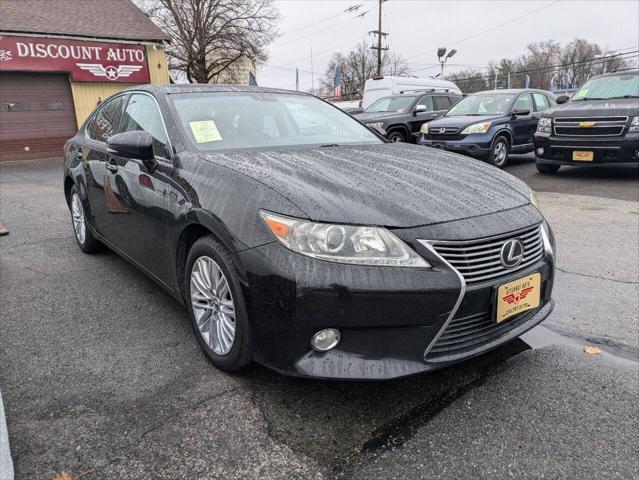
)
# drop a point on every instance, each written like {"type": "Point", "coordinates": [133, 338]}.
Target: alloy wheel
{"type": "Point", "coordinates": [500, 152]}
{"type": "Point", "coordinates": [77, 214]}
{"type": "Point", "coordinates": [213, 305]}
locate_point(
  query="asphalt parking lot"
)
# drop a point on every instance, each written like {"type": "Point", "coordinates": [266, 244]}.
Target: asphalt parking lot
{"type": "Point", "coordinates": [102, 377]}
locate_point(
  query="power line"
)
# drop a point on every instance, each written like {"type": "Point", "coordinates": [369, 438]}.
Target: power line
{"type": "Point", "coordinates": [495, 27]}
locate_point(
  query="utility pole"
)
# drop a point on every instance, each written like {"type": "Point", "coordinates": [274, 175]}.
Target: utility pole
{"type": "Point", "coordinates": [312, 74]}
{"type": "Point", "coordinates": [379, 34]}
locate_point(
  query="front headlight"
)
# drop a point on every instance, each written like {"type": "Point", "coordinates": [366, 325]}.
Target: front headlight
{"type": "Point", "coordinates": [545, 125]}
{"type": "Point", "coordinates": [476, 128]}
{"type": "Point", "coordinates": [634, 125]}
{"type": "Point", "coordinates": [376, 124]}
{"type": "Point", "coordinates": [342, 243]}
{"type": "Point", "coordinates": [424, 129]}
{"type": "Point", "coordinates": [534, 199]}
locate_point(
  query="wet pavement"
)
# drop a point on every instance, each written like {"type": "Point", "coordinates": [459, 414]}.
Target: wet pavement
{"type": "Point", "coordinates": [102, 377]}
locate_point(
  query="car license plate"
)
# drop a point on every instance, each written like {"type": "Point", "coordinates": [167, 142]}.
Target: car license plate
{"type": "Point", "coordinates": [518, 296]}
{"type": "Point", "coordinates": [440, 145]}
{"type": "Point", "coordinates": [580, 156]}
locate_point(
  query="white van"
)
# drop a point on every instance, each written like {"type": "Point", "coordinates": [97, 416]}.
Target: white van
{"type": "Point", "coordinates": [378, 87]}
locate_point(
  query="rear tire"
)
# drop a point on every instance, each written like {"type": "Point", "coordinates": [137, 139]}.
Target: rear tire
{"type": "Point", "coordinates": [86, 241]}
{"type": "Point", "coordinates": [499, 152]}
{"type": "Point", "coordinates": [216, 305]}
{"type": "Point", "coordinates": [396, 137]}
{"type": "Point", "coordinates": [545, 168]}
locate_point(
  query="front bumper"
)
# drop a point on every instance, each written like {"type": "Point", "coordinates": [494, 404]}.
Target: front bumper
{"type": "Point", "coordinates": [387, 316]}
{"type": "Point", "coordinates": [476, 145]}
{"type": "Point", "coordinates": [608, 151]}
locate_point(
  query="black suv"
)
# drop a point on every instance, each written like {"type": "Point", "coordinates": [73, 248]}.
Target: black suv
{"type": "Point", "coordinates": [403, 115]}
{"type": "Point", "coordinates": [490, 125]}
{"type": "Point", "coordinates": [599, 126]}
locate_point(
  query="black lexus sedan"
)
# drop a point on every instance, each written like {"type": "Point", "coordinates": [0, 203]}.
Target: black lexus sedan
{"type": "Point", "coordinates": [298, 238]}
{"type": "Point", "coordinates": [490, 125]}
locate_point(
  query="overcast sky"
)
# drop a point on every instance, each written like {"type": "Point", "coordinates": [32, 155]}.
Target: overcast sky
{"type": "Point", "coordinates": [418, 27]}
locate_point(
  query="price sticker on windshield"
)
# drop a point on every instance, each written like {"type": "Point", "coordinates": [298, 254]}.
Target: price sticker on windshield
{"type": "Point", "coordinates": [205, 131]}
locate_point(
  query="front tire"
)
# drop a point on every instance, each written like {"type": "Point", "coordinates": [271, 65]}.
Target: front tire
{"type": "Point", "coordinates": [499, 152]}
{"type": "Point", "coordinates": [396, 137]}
{"type": "Point", "coordinates": [86, 241]}
{"type": "Point", "coordinates": [216, 305]}
{"type": "Point", "coordinates": [545, 168]}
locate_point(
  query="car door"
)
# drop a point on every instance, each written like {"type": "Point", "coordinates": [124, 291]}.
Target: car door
{"type": "Point", "coordinates": [427, 113]}
{"type": "Point", "coordinates": [101, 126]}
{"type": "Point", "coordinates": [144, 190]}
{"type": "Point", "coordinates": [524, 126]}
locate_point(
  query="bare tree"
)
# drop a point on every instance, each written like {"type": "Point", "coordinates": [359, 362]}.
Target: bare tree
{"type": "Point", "coordinates": [469, 80]}
{"type": "Point", "coordinates": [211, 36]}
{"type": "Point", "coordinates": [359, 65]}
{"type": "Point", "coordinates": [539, 62]}
{"type": "Point", "coordinates": [395, 65]}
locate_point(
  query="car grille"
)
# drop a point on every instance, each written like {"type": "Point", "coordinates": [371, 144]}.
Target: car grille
{"type": "Point", "coordinates": [449, 133]}
{"type": "Point", "coordinates": [597, 126]}
{"type": "Point", "coordinates": [479, 260]}
{"type": "Point", "coordinates": [469, 332]}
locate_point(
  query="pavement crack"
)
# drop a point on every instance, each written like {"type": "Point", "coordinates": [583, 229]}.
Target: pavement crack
{"type": "Point", "coordinates": [627, 282]}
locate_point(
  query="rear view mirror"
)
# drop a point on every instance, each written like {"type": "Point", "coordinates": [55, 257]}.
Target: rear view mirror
{"type": "Point", "coordinates": [521, 112]}
{"type": "Point", "coordinates": [562, 99]}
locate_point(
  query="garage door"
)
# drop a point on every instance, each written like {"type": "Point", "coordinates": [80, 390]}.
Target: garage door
{"type": "Point", "coordinates": [36, 115]}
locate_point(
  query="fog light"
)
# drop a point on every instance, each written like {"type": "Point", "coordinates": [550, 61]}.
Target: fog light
{"type": "Point", "coordinates": [540, 151]}
{"type": "Point", "coordinates": [325, 339]}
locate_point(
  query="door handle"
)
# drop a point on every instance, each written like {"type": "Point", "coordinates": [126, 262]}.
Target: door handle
{"type": "Point", "coordinates": [111, 165]}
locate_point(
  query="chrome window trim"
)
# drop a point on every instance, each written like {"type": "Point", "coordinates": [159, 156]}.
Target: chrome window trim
{"type": "Point", "coordinates": [169, 147]}
{"type": "Point", "coordinates": [462, 292]}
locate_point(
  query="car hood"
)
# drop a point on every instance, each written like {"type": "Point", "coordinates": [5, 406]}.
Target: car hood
{"type": "Point", "coordinates": [461, 121]}
{"type": "Point", "coordinates": [391, 185]}
{"type": "Point", "coordinates": [365, 117]}
{"type": "Point", "coordinates": [583, 108]}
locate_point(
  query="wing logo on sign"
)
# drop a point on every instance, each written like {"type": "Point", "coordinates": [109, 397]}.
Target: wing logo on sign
{"type": "Point", "coordinates": [513, 297]}
{"type": "Point", "coordinates": [110, 72]}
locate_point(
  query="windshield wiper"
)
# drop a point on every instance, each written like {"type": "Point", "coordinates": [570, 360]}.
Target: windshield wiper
{"type": "Point", "coordinates": [328, 145]}
{"type": "Point", "coordinates": [626, 96]}
{"type": "Point", "coordinates": [588, 98]}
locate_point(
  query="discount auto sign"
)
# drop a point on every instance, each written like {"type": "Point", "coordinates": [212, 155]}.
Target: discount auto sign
{"type": "Point", "coordinates": [86, 61]}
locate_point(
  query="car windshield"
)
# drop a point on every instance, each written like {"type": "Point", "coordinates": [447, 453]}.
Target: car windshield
{"type": "Point", "coordinates": [215, 121]}
{"type": "Point", "coordinates": [615, 86]}
{"type": "Point", "coordinates": [492, 104]}
{"type": "Point", "coordinates": [391, 104]}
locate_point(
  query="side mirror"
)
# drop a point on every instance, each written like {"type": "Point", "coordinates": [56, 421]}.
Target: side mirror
{"type": "Point", "coordinates": [136, 145]}
{"type": "Point", "coordinates": [521, 112]}
{"type": "Point", "coordinates": [420, 109]}
{"type": "Point", "coordinates": [562, 99]}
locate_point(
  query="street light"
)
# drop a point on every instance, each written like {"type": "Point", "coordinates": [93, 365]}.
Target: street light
{"type": "Point", "coordinates": [442, 60]}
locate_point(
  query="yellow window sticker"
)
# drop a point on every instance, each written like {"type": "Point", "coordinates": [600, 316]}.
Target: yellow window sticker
{"type": "Point", "coordinates": [581, 93]}
{"type": "Point", "coordinates": [205, 131]}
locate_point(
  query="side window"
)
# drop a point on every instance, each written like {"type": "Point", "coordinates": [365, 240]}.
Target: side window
{"type": "Point", "coordinates": [105, 121]}
{"type": "Point", "coordinates": [426, 101]}
{"type": "Point", "coordinates": [142, 114]}
{"type": "Point", "coordinates": [524, 102]}
{"type": "Point", "coordinates": [454, 100]}
{"type": "Point", "coordinates": [441, 103]}
{"type": "Point", "coordinates": [541, 101]}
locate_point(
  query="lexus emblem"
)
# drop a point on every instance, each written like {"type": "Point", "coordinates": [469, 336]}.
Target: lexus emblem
{"type": "Point", "coordinates": [512, 253]}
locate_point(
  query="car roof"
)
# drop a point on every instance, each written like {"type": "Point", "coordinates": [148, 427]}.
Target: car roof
{"type": "Point", "coordinates": [616, 74]}
{"type": "Point", "coordinates": [513, 91]}
{"type": "Point", "coordinates": [177, 88]}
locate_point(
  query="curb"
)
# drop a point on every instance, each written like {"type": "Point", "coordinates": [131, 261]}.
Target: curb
{"type": "Point", "coordinates": [6, 464]}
